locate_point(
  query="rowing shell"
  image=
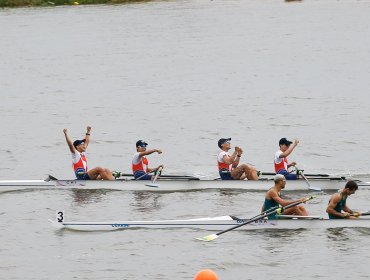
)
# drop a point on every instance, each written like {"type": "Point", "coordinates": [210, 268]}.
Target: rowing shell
{"type": "Point", "coordinates": [170, 185]}
{"type": "Point", "coordinates": [216, 223]}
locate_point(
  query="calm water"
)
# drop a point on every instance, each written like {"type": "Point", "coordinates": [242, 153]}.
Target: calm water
{"type": "Point", "coordinates": [180, 75]}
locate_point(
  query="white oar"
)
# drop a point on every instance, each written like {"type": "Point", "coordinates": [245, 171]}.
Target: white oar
{"type": "Point", "coordinates": [314, 188]}
{"type": "Point", "coordinates": [152, 184]}
{"type": "Point", "coordinates": [257, 218]}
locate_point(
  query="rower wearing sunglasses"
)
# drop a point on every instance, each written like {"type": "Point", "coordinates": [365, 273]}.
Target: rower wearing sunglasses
{"type": "Point", "coordinates": [140, 164]}
{"type": "Point", "coordinates": [228, 165]}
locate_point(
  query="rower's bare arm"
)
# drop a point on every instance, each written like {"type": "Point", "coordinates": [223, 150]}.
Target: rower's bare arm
{"type": "Point", "coordinates": [346, 209]}
{"type": "Point", "coordinates": [239, 153]}
{"type": "Point", "coordinates": [154, 169]}
{"type": "Point", "coordinates": [281, 201]}
{"type": "Point", "coordinates": [290, 149]}
{"type": "Point", "coordinates": [87, 138]}
{"type": "Point", "coordinates": [69, 141]}
{"type": "Point", "coordinates": [231, 159]}
{"type": "Point", "coordinates": [332, 204]}
{"type": "Point", "coordinates": [284, 202]}
{"type": "Point", "coordinates": [149, 152]}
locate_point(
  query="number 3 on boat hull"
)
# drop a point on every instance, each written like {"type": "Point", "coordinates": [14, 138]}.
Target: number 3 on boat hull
{"type": "Point", "coordinates": [59, 216]}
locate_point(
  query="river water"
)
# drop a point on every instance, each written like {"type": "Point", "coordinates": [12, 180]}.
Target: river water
{"type": "Point", "coordinates": [181, 75]}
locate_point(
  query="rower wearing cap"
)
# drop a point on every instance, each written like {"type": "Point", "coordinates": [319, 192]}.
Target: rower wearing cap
{"type": "Point", "coordinates": [228, 165]}
{"type": "Point", "coordinates": [79, 160]}
{"type": "Point", "coordinates": [337, 207]}
{"type": "Point", "coordinates": [273, 199]}
{"type": "Point", "coordinates": [140, 164]}
{"type": "Point", "coordinates": [281, 158]}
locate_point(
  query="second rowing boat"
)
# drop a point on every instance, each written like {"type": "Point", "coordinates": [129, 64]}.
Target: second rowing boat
{"type": "Point", "coordinates": [216, 223]}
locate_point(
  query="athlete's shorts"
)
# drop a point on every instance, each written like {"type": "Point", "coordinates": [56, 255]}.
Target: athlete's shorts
{"type": "Point", "coordinates": [82, 175]}
{"type": "Point", "coordinates": [139, 173]}
{"type": "Point", "coordinates": [225, 175]}
{"type": "Point", "coordinates": [287, 175]}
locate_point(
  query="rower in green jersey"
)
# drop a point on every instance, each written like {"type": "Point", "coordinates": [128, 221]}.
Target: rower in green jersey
{"type": "Point", "coordinates": [337, 207]}
{"type": "Point", "coordinates": [273, 199]}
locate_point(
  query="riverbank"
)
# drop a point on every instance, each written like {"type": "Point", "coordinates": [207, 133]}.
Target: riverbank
{"type": "Point", "coordinates": [41, 3]}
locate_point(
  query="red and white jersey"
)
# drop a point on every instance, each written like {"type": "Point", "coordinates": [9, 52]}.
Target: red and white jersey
{"type": "Point", "coordinates": [139, 163]}
{"type": "Point", "coordinates": [79, 161]}
{"type": "Point", "coordinates": [221, 163]}
{"type": "Point", "coordinates": [280, 163]}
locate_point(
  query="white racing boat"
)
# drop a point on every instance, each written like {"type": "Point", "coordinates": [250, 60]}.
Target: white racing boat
{"type": "Point", "coordinates": [166, 185]}
{"type": "Point", "coordinates": [171, 183]}
{"type": "Point", "coordinates": [216, 223]}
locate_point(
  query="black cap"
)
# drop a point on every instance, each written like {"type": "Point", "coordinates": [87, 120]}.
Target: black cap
{"type": "Point", "coordinates": [141, 143]}
{"type": "Point", "coordinates": [222, 141]}
{"type": "Point", "coordinates": [78, 142]}
{"type": "Point", "coordinates": [284, 141]}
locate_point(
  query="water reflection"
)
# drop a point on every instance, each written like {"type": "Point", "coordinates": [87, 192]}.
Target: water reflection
{"type": "Point", "coordinates": [83, 197]}
{"type": "Point", "coordinates": [340, 239]}
{"type": "Point", "coordinates": [145, 201]}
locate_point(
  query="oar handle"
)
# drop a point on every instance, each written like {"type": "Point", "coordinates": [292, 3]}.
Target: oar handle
{"type": "Point", "coordinates": [361, 214]}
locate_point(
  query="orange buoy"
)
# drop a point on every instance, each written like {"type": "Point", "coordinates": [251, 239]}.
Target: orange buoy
{"type": "Point", "coordinates": [206, 274]}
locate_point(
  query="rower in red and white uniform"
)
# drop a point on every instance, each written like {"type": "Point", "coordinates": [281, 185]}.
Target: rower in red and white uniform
{"type": "Point", "coordinates": [140, 164]}
{"type": "Point", "coordinates": [79, 161]}
{"type": "Point", "coordinates": [228, 165]}
{"type": "Point", "coordinates": [281, 158]}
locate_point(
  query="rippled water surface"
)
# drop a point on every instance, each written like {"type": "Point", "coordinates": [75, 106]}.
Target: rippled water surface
{"type": "Point", "coordinates": [180, 75]}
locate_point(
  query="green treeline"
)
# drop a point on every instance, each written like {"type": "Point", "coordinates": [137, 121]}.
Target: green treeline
{"type": "Point", "coordinates": [38, 3]}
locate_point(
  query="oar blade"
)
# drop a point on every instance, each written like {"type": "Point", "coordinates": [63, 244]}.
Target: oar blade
{"type": "Point", "coordinates": [315, 188]}
{"type": "Point", "coordinates": [208, 237]}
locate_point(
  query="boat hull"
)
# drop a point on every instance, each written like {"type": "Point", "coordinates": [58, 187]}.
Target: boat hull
{"type": "Point", "coordinates": [217, 224]}
{"type": "Point", "coordinates": [171, 185]}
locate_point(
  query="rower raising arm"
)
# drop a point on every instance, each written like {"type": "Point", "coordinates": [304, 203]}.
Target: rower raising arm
{"type": "Point", "coordinates": [140, 164]}
{"type": "Point", "coordinates": [79, 161]}
{"type": "Point", "coordinates": [70, 143]}
{"type": "Point", "coordinates": [281, 163]}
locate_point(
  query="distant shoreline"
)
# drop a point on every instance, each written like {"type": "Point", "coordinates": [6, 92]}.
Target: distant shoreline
{"type": "Point", "coordinates": [48, 3]}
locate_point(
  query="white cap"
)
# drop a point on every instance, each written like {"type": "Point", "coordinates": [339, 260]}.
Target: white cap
{"type": "Point", "coordinates": [279, 177]}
